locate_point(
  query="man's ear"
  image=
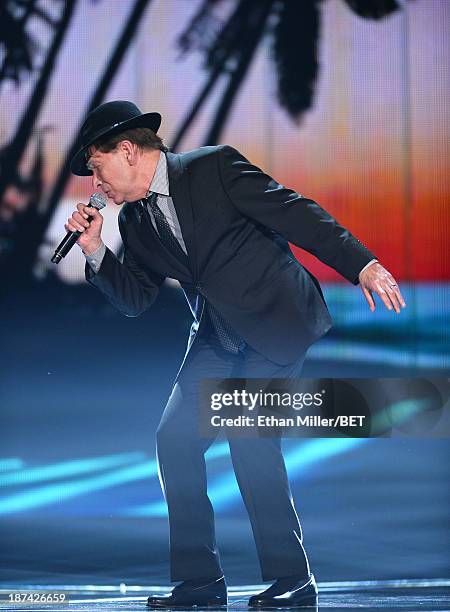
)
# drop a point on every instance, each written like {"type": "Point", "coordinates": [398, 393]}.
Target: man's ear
{"type": "Point", "coordinates": [129, 151]}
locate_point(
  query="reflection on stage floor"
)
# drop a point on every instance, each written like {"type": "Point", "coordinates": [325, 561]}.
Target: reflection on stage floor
{"type": "Point", "coordinates": [411, 595]}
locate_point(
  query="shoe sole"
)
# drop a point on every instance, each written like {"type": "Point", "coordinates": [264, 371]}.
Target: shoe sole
{"type": "Point", "coordinates": [308, 603]}
{"type": "Point", "coordinates": [209, 606]}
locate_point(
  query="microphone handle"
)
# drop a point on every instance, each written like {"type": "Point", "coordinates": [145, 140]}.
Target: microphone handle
{"type": "Point", "coordinates": [67, 243]}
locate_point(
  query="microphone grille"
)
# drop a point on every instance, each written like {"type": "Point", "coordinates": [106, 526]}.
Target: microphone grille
{"type": "Point", "coordinates": [97, 200]}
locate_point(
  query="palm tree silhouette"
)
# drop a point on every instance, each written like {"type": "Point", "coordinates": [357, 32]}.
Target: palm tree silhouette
{"type": "Point", "coordinates": [11, 154]}
{"type": "Point", "coordinates": [18, 46]}
{"type": "Point", "coordinates": [33, 225]}
{"type": "Point", "coordinates": [294, 26]}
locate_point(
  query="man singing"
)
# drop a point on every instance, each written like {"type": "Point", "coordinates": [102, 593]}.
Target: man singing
{"type": "Point", "coordinates": [220, 226]}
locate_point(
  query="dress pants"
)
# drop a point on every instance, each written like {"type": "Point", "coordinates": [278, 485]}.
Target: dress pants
{"type": "Point", "coordinates": [258, 465]}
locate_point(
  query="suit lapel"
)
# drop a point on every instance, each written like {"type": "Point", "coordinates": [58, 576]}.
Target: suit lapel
{"type": "Point", "coordinates": [180, 194]}
{"type": "Point", "coordinates": [145, 228]}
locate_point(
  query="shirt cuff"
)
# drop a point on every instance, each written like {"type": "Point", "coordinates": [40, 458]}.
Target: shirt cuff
{"type": "Point", "coordinates": [368, 264]}
{"type": "Point", "coordinates": [95, 259]}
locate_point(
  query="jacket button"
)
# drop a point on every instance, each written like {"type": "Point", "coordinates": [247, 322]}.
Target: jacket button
{"type": "Point", "coordinates": [199, 287]}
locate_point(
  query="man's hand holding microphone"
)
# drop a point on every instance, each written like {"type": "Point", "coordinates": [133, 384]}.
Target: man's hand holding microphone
{"type": "Point", "coordinates": [90, 239]}
{"type": "Point", "coordinates": [83, 227]}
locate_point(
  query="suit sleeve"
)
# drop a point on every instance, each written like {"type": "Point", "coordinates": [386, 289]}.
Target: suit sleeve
{"type": "Point", "coordinates": [298, 219]}
{"type": "Point", "coordinates": [126, 285]}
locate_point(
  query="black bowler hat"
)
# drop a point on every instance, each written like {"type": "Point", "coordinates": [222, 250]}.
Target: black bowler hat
{"type": "Point", "coordinates": [108, 119]}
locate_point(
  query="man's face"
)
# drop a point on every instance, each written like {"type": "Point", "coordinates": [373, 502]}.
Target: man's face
{"type": "Point", "coordinates": [112, 173]}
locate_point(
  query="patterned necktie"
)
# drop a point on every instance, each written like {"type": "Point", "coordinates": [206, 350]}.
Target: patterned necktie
{"type": "Point", "coordinates": [164, 231]}
{"type": "Point", "coordinates": [228, 338]}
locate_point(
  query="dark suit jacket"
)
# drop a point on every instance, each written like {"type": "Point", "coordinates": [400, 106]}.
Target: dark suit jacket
{"type": "Point", "coordinates": [236, 222]}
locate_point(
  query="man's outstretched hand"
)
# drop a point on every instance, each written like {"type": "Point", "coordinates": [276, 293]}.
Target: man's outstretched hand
{"type": "Point", "coordinates": [378, 279]}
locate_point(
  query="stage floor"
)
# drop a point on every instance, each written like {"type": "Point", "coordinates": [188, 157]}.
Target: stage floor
{"type": "Point", "coordinates": [410, 595]}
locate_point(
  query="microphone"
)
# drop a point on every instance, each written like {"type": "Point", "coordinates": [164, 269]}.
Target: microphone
{"type": "Point", "coordinates": [98, 201]}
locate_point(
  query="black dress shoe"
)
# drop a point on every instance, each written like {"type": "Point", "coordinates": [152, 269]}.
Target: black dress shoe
{"type": "Point", "coordinates": [202, 592]}
{"type": "Point", "coordinates": [289, 592]}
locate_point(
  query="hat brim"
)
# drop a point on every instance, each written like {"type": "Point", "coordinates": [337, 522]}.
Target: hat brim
{"type": "Point", "coordinates": [148, 120]}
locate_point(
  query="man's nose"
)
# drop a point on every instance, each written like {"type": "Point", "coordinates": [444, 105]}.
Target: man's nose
{"type": "Point", "coordinates": [96, 182]}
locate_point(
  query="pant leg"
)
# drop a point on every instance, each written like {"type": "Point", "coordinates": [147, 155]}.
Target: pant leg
{"type": "Point", "coordinates": [182, 468]}
{"type": "Point", "coordinates": [262, 478]}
